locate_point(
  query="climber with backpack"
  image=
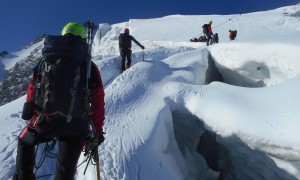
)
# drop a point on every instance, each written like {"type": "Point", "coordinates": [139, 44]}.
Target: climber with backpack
{"type": "Point", "coordinates": [65, 101]}
{"type": "Point", "coordinates": [125, 48]}
{"type": "Point", "coordinates": [207, 30]}
{"type": "Point", "coordinates": [232, 34]}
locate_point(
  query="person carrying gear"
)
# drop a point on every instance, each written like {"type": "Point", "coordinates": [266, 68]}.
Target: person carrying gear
{"type": "Point", "coordinates": [232, 34]}
{"type": "Point", "coordinates": [207, 30]}
{"type": "Point", "coordinates": [125, 48]}
{"type": "Point", "coordinates": [55, 105]}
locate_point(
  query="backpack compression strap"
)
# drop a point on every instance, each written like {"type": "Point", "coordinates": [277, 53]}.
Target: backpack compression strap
{"type": "Point", "coordinates": [46, 75]}
{"type": "Point", "coordinates": [73, 92]}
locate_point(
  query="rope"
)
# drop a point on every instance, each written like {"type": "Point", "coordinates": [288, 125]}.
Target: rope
{"type": "Point", "coordinates": [46, 153]}
{"type": "Point", "coordinates": [225, 22]}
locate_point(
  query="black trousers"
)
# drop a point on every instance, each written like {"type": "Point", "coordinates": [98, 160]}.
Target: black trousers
{"type": "Point", "coordinates": [69, 135]}
{"type": "Point", "coordinates": [209, 38]}
{"type": "Point", "coordinates": [66, 162]}
{"type": "Point", "coordinates": [125, 54]}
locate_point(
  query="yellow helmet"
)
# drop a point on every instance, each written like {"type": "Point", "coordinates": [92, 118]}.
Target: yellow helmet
{"type": "Point", "coordinates": [75, 29]}
{"type": "Point", "coordinates": [210, 22]}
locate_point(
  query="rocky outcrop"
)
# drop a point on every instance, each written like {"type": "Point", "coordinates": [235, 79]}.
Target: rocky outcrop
{"type": "Point", "coordinates": [17, 79]}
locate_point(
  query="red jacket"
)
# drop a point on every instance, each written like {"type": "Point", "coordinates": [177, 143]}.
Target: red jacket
{"type": "Point", "coordinates": [97, 97]}
{"type": "Point", "coordinates": [209, 29]}
{"type": "Point", "coordinates": [232, 34]}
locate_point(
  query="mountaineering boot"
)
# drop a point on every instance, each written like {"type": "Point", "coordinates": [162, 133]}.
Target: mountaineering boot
{"type": "Point", "coordinates": [127, 67]}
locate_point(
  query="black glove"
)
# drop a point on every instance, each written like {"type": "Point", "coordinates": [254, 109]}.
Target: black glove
{"type": "Point", "coordinates": [101, 138]}
{"type": "Point", "coordinates": [142, 47]}
{"type": "Point", "coordinates": [98, 139]}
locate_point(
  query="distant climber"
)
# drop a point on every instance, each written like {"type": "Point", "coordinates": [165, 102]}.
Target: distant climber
{"type": "Point", "coordinates": [232, 34]}
{"type": "Point", "coordinates": [200, 39]}
{"type": "Point", "coordinates": [125, 48]}
{"type": "Point", "coordinates": [207, 30]}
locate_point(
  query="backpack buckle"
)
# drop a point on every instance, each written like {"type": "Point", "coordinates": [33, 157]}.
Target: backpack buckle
{"type": "Point", "coordinates": [76, 79]}
{"type": "Point", "coordinates": [73, 91]}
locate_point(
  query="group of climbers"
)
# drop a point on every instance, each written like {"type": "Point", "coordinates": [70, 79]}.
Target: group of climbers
{"type": "Point", "coordinates": [209, 37]}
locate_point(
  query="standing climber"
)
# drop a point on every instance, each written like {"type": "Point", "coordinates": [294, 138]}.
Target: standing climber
{"type": "Point", "coordinates": [207, 30]}
{"type": "Point", "coordinates": [125, 48]}
{"type": "Point", "coordinates": [232, 34]}
{"type": "Point", "coordinates": [60, 104]}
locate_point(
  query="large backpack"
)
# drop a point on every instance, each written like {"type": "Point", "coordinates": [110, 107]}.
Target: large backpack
{"type": "Point", "coordinates": [61, 76]}
{"type": "Point", "coordinates": [124, 41]}
{"type": "Point", "coordinates": [205, 28]}
{"type": "Point", "coordinates": [215, 38]}
{"type": "Point", "coordinates": [202, 38]}
{"type": "Point", "coordinates": [234, 33]}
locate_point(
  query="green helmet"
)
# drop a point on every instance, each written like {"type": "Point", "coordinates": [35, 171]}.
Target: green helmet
{"type": "Point", "coordinates": [75, 29]}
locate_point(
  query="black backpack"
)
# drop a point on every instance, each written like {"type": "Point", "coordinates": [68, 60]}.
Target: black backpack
{"type": "Point", "coordinates": [234, 33]}
{"type": "Point", "coordinates": [205, 28]}
{"type": "Point", "coordinates": [215, 38]}
{"type": "Point", "coordinates": [202, 38]}
{"type": "Point", "coordinates": [124, 41]}
{"type": "Point", "coordinates": [61, 76]}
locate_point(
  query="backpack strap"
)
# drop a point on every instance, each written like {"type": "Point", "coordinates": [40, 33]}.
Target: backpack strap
{"type": "Point", "coordinates": [37, 73]}
{"type": "Point", "coordinates": [73, 92]}
{"type": "Point", "coordinates": [45, 77]}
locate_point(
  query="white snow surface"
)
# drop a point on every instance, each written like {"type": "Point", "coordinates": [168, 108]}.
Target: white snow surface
{"type": "Point", "coordinates": [157, 109]}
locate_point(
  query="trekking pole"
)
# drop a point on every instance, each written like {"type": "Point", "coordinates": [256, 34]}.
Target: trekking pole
{"type": "Point", "coordinates": [143, 55]}
{"type": "Point", "coordinates": [90, 27]}
{"type": "Point", "coordinates": [96, 158]}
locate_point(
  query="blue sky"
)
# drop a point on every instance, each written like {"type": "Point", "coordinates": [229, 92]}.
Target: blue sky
{"type": "Point", "coordinates": [23, 21]}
